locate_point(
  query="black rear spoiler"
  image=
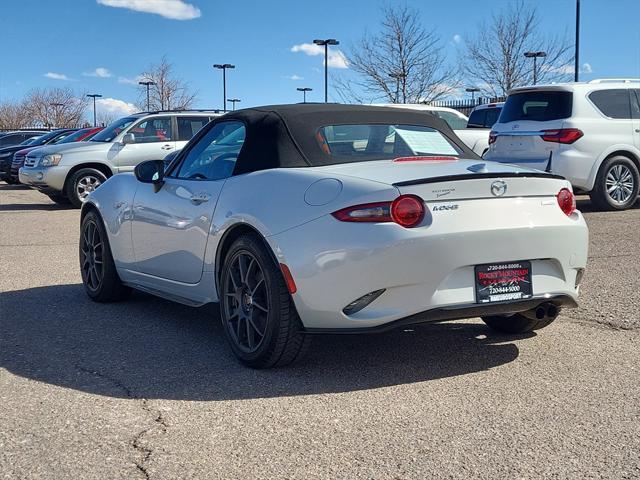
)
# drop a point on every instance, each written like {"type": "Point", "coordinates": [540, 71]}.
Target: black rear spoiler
{"type": "Point", "coordinates": [473, 176]}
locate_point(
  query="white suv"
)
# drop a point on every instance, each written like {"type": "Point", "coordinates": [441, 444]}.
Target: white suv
{"type": "Point", "coordinates": [587, 132]}
{"type": "Point", "coordinates": [69, 172]}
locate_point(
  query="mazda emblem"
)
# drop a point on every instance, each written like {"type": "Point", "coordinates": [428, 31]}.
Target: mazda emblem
{"type": "Point", "coordinates": [498, 188]}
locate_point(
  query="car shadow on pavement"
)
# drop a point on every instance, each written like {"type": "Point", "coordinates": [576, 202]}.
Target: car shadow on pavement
{"type": "Point", "coordinates": [586, 206]}
{"type": "Point", "coordinates": [21, 207]}
{"type": "Point", "coordinates": [151, 348]}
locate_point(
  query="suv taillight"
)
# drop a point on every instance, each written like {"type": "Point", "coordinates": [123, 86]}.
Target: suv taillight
{"type": "Point", "coordinates": [492, 137]}
{"type": "Point", "coordinates": [562, 135]}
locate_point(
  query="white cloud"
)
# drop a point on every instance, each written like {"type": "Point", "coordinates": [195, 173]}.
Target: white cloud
{"type": "Point", "coordinates": [457, 38]}
{"type": "Point", "coordinates": [100, 72]}
{"type": "Point", "coordinates": [114, 107]}
{"type": "Point", "coordinates": [586, 68]}
{"type": "Point", "coordinates": [56, 76]}
{"type": "Point", "coordinates": [569, 69]}
{"type": "Point", "coordinates": [294, 77]}
{"type": "Point", "coordinates": [173, 9]}
{"type": "Point", "coordinates": [130, 81]}
{"type": "Point", "coordinates": [337, 59]}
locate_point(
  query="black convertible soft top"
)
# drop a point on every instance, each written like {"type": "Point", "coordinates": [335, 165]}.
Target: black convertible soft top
{"type": "Point", "coordinates": [285, 135]}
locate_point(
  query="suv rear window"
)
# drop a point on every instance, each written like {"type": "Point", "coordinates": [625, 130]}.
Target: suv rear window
{"type": "Point", "coordinates": [539, 106]}
{"type": "Point", "coordinates": [613, 103]}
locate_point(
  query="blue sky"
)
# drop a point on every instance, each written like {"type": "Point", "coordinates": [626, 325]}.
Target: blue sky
{"type": "Point", "coordinates": [90, 46]}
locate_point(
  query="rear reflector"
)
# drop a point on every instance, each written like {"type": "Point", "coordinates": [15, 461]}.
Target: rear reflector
{"type": "Point", "coordinates": [566, 201]}
{"type": "Point", "coordinates": [406, 210]}
{"type": "Point", "coordinates": [562, 135]}
{"type": "Point", "coordinates": [288, 279]}
{"type": "Point", "coordinates": [492, 137]}
{"type": "Point", "coordinates": [426, 159]}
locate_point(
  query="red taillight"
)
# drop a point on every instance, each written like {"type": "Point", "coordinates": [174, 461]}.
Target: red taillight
{"type": "Point", "coordinates": [562, 135]}
{"type": "Point", "coordinates": [492, 137]}
{"type": "Point", "coordinates": [566, 201]}
{"type": "Point", "coordinates": [406, 210]}
{"type": "Point", "coordinates": [431, 158]}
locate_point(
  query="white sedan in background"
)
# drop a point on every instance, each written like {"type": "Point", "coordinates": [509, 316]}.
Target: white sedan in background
{"type": "Point", "coordinates": [302, 219]}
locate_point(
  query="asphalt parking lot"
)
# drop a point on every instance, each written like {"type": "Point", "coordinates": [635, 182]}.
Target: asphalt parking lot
{"type": "Point", "coordinates": [148, 388]}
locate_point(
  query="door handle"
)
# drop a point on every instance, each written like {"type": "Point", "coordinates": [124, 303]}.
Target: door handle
{"type": "Point", "coordinates": [200, 198]}
{"type": "Point", "coordinates": [167, 147]}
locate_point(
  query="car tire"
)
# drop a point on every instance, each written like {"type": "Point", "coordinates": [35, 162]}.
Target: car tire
{"type": "Point", "coordinates": [258, 315]}
{"type": "Point", "coordinates": [613, 172]}
{"type": "Point", "coordinates": [516, 323]}
{"type": "Point", "coordinates": [81, 183]}
{"type": "Point", "coordinates": [97, 269]}
{"type": "Point", "coordinates": [59, 199]}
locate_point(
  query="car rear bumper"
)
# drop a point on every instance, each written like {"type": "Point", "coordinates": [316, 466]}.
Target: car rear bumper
{"type": "Point", "coordinates": [50, 179]}
{"type": "Point", "coordinates": [425, 272]}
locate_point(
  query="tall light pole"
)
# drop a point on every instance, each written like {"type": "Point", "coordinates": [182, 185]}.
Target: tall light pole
{"type": "Point", "coordinates": [147, 83]}
{"type": "Point", "coordinates": [535, 56]}
{"type": "Point", "coordinates": [304, 91]}
{"type": "Point", "coordinates": [326, 43]}
{"type": "Point", "coordinates": [398, 76]}
{"type": "Point", "coordinates": [223, 67]}
{"type": "Point", "coordinates": [472, 91]}
{"type": "Point", "coordinates": [576, 67]}
{"type": "Point", "coordinates": [94, 96]}
{"type": "Point", "coordinates": [233, 102]}
{"type": "Point", "coordinates": [55, 105]}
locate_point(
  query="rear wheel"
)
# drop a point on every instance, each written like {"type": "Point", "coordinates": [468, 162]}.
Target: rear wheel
{"type": "Point", "coordinates": [516, 323]}
{"type": "Point", "coordinates": [82, 183]}
{"type": "Point", "coordinates": [259, 318]}
{"type": "Point", "coordinates": [98, 271]}
{"type": "Point", "coordinates": [617, 184]}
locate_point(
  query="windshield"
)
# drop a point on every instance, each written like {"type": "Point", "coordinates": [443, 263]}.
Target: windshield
{"type": "Point", "coordinates": [30, 141]}
{"type": "Point", "coordinates": [45, 138]}
{"type": "Point", "coordinates": [361, 143]}
{"type": "Point", "coordinates": [73, 137]}
{"type": "Point", "coordinates": [540, 106]}
{"type": "Point", "coordinates": [113, 130]}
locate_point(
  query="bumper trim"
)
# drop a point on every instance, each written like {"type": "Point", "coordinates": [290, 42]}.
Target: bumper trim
{"type": "Point", "coordinates": [456, 313]}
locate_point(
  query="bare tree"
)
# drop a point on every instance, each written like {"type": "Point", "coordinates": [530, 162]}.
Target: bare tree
{"type": "Point", "coordinates": [13, 116]}
{"type": "Point", "coordinates": [494, 60]}
{"type": "Point", "coordinates": [169, 91]}
{"type": "Point", "coordinates": [54, 107]}
{"type": "Point", "coordinates": [403, 63]}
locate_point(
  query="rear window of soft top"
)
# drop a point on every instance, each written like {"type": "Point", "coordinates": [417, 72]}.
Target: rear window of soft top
{"type": "Point", "coordinates": [540, 106]}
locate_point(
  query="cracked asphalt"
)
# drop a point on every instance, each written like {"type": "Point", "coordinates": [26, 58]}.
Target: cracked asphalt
{"type": "Point", "coordinates": [148, 388]}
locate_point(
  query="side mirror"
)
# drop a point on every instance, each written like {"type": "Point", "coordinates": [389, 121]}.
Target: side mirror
{"type": "Point", "coordinates": [151, 171]}
{"type": "Point", "coordinates": [128, 138]}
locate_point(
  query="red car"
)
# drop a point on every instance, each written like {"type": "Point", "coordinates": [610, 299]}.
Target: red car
{"type": "Point", "coordinates": [81, 135]}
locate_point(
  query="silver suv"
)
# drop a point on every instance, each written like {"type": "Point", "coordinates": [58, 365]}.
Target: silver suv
{"type": "Point", "coordinates": [69, 172]}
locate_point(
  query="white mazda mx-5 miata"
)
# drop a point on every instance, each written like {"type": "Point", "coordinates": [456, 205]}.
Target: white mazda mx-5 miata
{"type": "Point", "coordinates": [302, 219]}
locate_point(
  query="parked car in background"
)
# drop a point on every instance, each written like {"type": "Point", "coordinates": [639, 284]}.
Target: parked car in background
{"type": "Point", "coordinates": [302, 219]}
{"type": "Point", "coordinates": [9, 139]}
{"type": "Point", "coordinates": [476, 140]}
{"type": "Point", "coordinates": [587, 132]}
{"type": "Point", "coordinates": [70, 172]}
{"type": "Point", "coordinates": [485, 115]}
{"type": "Point", "coordinates": [81, 135]}
{"type": "Point", "coordinates": [6, 154]}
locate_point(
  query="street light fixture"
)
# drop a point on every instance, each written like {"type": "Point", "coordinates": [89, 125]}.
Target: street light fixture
{"type": "Point", "coordinates": [304, 91]}
{"type": "Point", "coordinates": [472, 91]}
{"type": "Point", "coordinates": [147, 83]}
{"type": "Point", "coordinates": [535, 56]}
{"type": "Point", "coordinates": [233, 102]}
{"type": "Point", "coordinates": [325, 43]}
{"type": "Point", "coordinates": [94, 96]}
{"type": "Point", "coordinates": [223, 67]}
{"type": "Point", "coordinates": [398, 76]}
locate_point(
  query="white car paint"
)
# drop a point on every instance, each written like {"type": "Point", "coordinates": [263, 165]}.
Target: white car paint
{"type": "Point", "coordinates": [333, 263]}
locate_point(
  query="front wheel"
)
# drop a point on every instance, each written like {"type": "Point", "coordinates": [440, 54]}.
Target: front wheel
{"type": "Point", "coordinates": [259, 318]}
{"type": "Point", "coordinates": [617, 184]}
{"type": "Point", "coordinates": [82, 183]}
{"type": "Point", "coordinates": [98, 271]}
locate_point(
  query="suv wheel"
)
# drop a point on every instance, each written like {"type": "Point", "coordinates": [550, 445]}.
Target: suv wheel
{"type": "Point", "coordinates": [82, 183]}
{"type": "Point", "coordinates": [616, 185]}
